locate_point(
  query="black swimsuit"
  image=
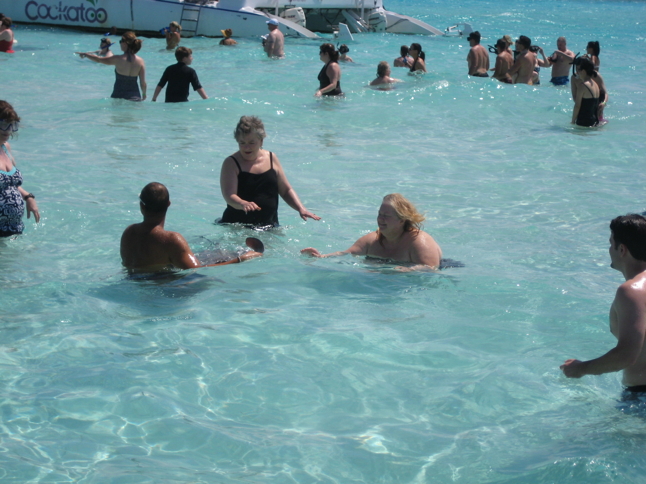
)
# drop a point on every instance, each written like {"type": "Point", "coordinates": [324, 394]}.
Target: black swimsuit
{"type": "Point", "coordinates": [324, 81]}
{"type": "Point", "coordinates": [262, 189]}
{"type": "Point", "coordinates": [588, 111]}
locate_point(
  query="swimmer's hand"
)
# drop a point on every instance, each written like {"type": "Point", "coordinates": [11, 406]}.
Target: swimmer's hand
{"type": "Point", "coordinates": [32, 207]}
{"type": "Point", "coordinates": [249, 206]}
{"type": "Point", "coordinates": [573, 368]}
{"type": "Point", "coordinates": [318, 93]}
{"type": "Point", "coordinates": [312, 252]}
{"type": "Point", "coordinates": [252, 254]}
{"type": "Point", "coordinates": [305, 214]}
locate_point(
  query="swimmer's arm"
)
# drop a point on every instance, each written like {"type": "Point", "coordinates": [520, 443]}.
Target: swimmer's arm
{"type": "Point", "coordinates": [545, 62]}
{"type": "Point", "coordinates": [142, 80]}
{"type": "Point", "coordinates": [32, 206]}
{"type": "Point", "coordinates": [269, 44]}
{"type": "Point", "coordinates": [5, 35]}
{"type": "Point", "coordinates": [202, 93]}
{"type": "Point", "coordinates": [631, 329]}
{"type": "Point", "coordinates": [157, 91]}
{"type": "Point", "coordinates": [288, 194]}
{"type": "Point", "coordinates": [181, 255]}
{"type": "Point", "coordinates": [109, 61]}
{"type": "Point", "coordinates": [229, 187]}
{"type": "Point", "coordinates": [577, 104]}
{"type": "Point", "coordinates": [360, 247]}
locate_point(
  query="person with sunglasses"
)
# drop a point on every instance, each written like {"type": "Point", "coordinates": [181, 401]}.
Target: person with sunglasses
{"type": "Point", "coordinates": [128, 67]}
{"type": "Point", "coordinates": [13, 197]}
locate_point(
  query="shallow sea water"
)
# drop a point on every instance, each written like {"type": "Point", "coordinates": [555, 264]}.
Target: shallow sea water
{"type": "Point", "coordinates": [293, 370]}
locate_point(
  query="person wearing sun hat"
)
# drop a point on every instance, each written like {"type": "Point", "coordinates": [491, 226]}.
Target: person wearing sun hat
{"type": "Point", "coordinates": [275, 41]}
{"type": "Point", "coordinates": [227, 37]}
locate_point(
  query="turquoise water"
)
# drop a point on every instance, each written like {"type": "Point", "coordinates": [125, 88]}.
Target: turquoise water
{"type": "Point", "coordinates": [293, 370]}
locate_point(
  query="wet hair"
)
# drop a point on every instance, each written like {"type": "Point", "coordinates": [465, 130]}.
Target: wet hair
{"type": "Point", "coordinates": [6, 21]}
{"type": "Point", "coordinates": [525, 41]}
{"type": "Point", "coordinates": [406, 211]}
{"type": "Point", "coordinates": [248, 125]}
{"type": "Point", "coordinates": [403, 51]}
{"type": "Point", "coordinates": [331, 51]}
{"type": "Point", "coordinates": [7, 113]}
{"type": "Point", "coordinates": [418, 48]}
{"type": "Point", "coordinates": [501, 45]}
{"type": "Point", "coordinates": [594, 45]}
{"type": "Point", "coordinates": [182, 52]}
{"type": "Point", "coordinates": [382, 68]}
{"type": "Point", "coordinates": [155, 198]}
{"type": "Point", "coordinates": [630, 230]}
{"type": "Point", "coordinates": [176, 25]}
{"type": "Point", "coordinates": [475, 35]}
{"type": "Point", "coordinates": [133, 43]}
{"type": "Point", "coordinates": [344, 49]}
{"type": "Point", "coordinates": [586, 65]}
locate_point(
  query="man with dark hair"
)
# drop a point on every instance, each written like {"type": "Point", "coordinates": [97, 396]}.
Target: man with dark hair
{"type": "Point", "coordinates": [522, 71]}
{"type": "Point", "coordinates": [179, 76]}
{"type": "Point", "coordinates": [148, 247]}
{"type": "Point", "coordinates": [627, 313]}
{"type": "Point", "coordinates": [478, 57]}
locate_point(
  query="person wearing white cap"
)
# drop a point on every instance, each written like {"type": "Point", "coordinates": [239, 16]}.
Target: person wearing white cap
{"type": "Point", "coordinates": [275, 41]}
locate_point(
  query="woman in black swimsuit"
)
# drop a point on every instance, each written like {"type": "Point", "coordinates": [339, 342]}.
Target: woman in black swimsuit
{"type": "Point", "coordinates": [586, 94]}
{"type": "Point", "coordinates": [252, 178]}
{"type": "Point", "coordinates": [330, 76]}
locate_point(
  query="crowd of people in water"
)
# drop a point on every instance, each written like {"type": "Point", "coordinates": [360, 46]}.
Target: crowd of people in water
{"type": "Point", "coordinates": [252, 179]}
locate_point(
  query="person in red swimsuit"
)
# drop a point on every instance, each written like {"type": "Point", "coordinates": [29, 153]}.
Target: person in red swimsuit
{"type": "Point", "coordinates": [6, 35]}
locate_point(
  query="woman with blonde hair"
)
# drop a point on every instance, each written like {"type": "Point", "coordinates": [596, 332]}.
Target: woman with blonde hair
{"type": "Point", "coordinates": [127, 68]}
{"type": "Point", "coordinates": [398, 238]}
{"type": "Point", "coordinates": [173, 35]}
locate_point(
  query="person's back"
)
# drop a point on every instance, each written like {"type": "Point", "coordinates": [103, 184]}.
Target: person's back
{"type": "Point", "coordinates": [504, 62]}
{"type": "Point", "coordinates": [179, 77]}
{"type": "Point", "coordinates": [146, 246]}
{"type": "Point", "coordinates": [275, 41]}
{"type": "Point", "coordinates": [478, 58]}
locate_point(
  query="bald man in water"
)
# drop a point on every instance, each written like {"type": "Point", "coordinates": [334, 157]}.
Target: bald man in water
{"type": "Point", "coordinates": [627, 313]}
{"type": "Point", "coordinates": [148, 247]}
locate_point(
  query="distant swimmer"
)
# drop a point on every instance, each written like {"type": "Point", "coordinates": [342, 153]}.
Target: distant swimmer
{"type": "Point", "coordinates": [404, 60]}
{"type": "Point", "coordinates": [399, 238]}
{"type": "Point", "coordinates": [128, 67]}
{"type": "Point", "coordinates": [560, 61]}
{"type": "Point", "coordinates": [478, 57]}
{"type": "Point", "coordinates": [592, 51]}
{"type": "Point", "coordinates": [419, 58]}
{"type": "Point", "coordinates": [227, 37]}
{"type": "Point", "coordinates": [6, 35]}
{"type": "Point", "coordinates": [104, 48]}
{"type": "Point", "coordinates": [330, 76]}
{"type": "Point", "coordinates": [148, 247]}
{"type": "Point", "coordinates": [522, 72]}
{"type": "Point", "coordinates": [274, 43]}
{"type": "Point", "coordinates": [173, 35]}
{"type": "Point", "coordinates": [586, 95]}
{"type": "Point", "coordinates": [383, 75]}
{"type": "Point", "coordinates": [504, 61]}
{"type": "Point", "coordinates": [627, 312]}
{"type": "Point", "coordinates": [179, 77]}
{"type": "Point", "coordinates": [343, 54]}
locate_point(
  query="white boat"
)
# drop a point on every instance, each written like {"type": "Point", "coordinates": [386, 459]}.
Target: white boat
{"type": "Point", "coordinates": [247, 18]}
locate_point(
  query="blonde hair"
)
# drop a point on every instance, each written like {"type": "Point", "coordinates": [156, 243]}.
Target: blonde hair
{"type": "Point", "coordinates": [406, 211]}
{"type": "Point", "coordinates": [382, 68]}
{"type": "Point", "coordinates": [176, 25]}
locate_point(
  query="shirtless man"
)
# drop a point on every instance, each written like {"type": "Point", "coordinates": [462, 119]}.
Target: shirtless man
{"type": "Point", "coordinates": [383, 75]}
{"type": "Point", "coordinates": [478, 57]}
{"type": "Point", "coordinates": [560, 61]}
{"type": "Point", "coordinates": [504, 61]}
{"type": "Point", "coordinates": [522, 72]}
{"type": "Point", "coordinates": [627, 313]}
{"type": "Point", "coordinates": [398, 238]}
{"type": "Point", "coordinates": [173, 35]}
{"type": "Point", "coordinates": [275, 40]}
{"type": "Point", "coordinates": [148, 247]}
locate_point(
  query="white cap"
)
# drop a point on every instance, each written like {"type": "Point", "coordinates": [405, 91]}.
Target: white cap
{"type": "Point", "coordinates": [273, 21]}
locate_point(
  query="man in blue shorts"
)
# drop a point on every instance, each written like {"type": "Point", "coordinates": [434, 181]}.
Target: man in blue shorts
{"type": "Point", "coordinates": [627, 313]}
{"type": "Point", "coordinates": [179, 76]}
{"type": "Point", "coordinates": [560, 61]}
